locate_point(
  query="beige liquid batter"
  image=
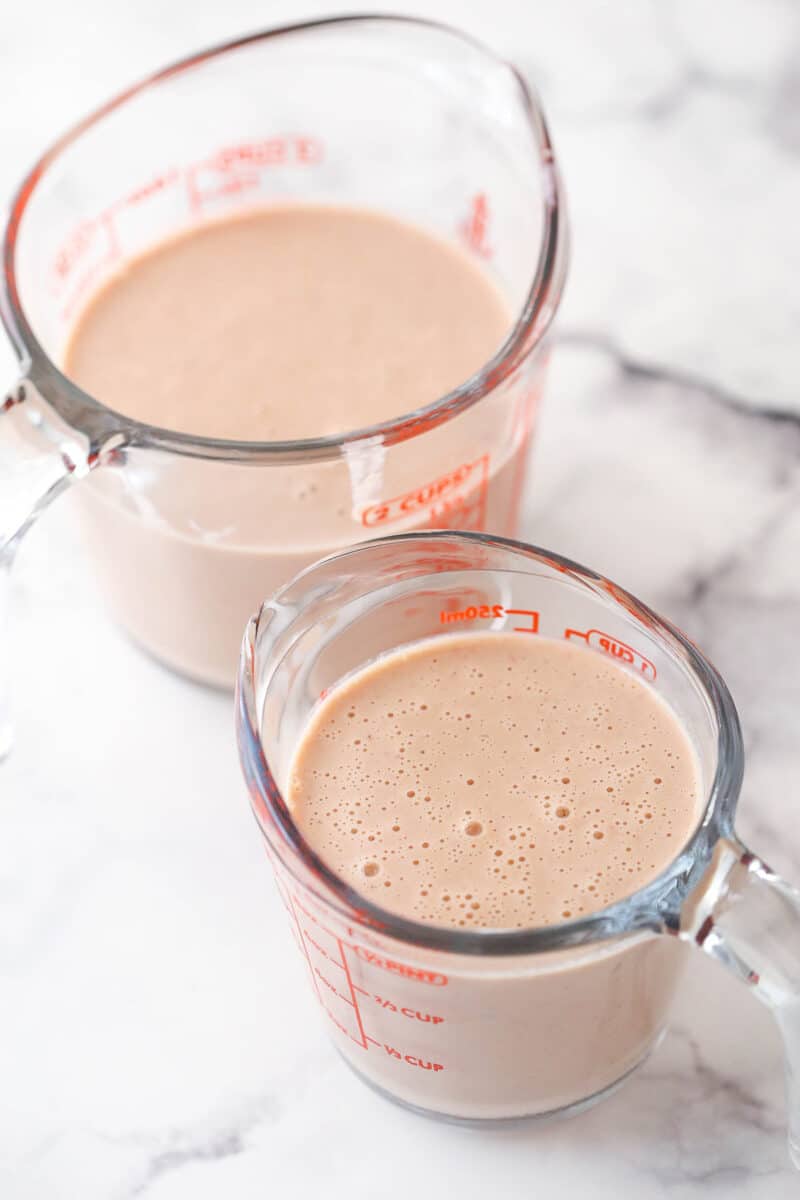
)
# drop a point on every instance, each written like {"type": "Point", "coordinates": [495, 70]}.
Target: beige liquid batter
{"type": "Point", "coordinates": [495, 780]}
{"type": "Point", "coordinates": [288, 322]}
{"type": "Point", "coordinates": [499, 781]}
{"type": "Point", "coordinates": [292, 322]}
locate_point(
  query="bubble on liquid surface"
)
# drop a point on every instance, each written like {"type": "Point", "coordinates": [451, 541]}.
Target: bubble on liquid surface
{"type": "Point", "coordinates": [394, 810]}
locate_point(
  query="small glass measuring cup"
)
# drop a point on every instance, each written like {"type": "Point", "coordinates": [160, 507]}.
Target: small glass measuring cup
{"type": "Point", "coordinates": [487, 1024]}
{"type": "Point", "coordinates": [400, 115]}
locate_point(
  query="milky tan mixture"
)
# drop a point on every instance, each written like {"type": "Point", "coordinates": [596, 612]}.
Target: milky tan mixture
{"type": "Point", "coordinates": [289, 322]}
{"type": "Point", "coordinates": [495, 780]}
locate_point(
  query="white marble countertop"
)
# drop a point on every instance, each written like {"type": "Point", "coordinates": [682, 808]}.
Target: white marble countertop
{"type": "Point", "coordinates": [149, 1044]}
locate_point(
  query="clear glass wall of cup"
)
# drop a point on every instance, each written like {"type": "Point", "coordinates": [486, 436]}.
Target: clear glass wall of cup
{"type": "Point", "coordinates": [404, 116]}
{"type": "Point", "coordinates": [488, 1024]}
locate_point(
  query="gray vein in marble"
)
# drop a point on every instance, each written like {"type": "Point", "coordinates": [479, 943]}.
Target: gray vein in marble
{"type": "Point", "coordinates": [663, 105]}
{"type": "Point", "coordinates": [753, 1110]}
{"type": "Point", "coordinates": [782, 120]}
{"type": "Point", "coordinates": [713, 1090]}
{"type": "Point", "coordinates": [689, 381]}
{"type": "Point", "coordinates": [163, 1155]}
{"type": "Point", "coordinates": [694, 78]}
{"type": "Point", "coordinates": [712, 1081]}
{"type": "Point", "coordinates": [704, 581]}
{"type": "Point", "coordinates": [710, 580]}
{"type": "Point", "coordinates": [774, 102]}
{"type": "Point", "coordinates": [722, 1176]}
{"type": "Point", "coordinates": [695, 75]}
{"type": "Point", "coordinates": [214, 1144]}
{"type": "Point", "coordinates": [779, 100]}
{"type": "Point", "coordinates": [225, 1145]}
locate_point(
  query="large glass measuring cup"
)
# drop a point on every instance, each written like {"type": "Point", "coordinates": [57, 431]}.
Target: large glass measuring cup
{"type": "Point", "coordinates": [488, 1024]}
{"type": "Point", "coordinates": [405, 116]}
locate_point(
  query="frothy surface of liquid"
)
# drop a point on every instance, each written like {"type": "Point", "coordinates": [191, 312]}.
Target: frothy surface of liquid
{"type": "Point", "coordinates": [495, 780]}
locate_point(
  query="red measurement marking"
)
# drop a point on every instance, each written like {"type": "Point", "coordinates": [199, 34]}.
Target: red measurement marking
{"type": "Point", "coordinates": [465, 509]}
{"type": "Point", "coordinates": [73, 248]}
{"type": "Point", "coordinates": [491, 612]}
{"type": "Point", "coordinates": [352, 992]}
{"type": "Point", "coordinates": [93, 247]}
{"type": "Point", "coordinates": [304, 939]}
{"type": "Point", "coordinates": [322, 951]}
{"type": "Point", "coordinates": [313, 917]}
{"type": "Point", "coordinates": [461, 491]}
{"type": "Point", "coordinates": [411, 1013]}
{"type": "Point", "coordinates": [474, 612]}
{"type": "Point", "coordinates": [525, 612]}
{"type": "Point", "coordinates": [269, 152]}
{"type": "Point", "coordinates": [412, 1059]}
{"type": "Point", "coordinates": [604, 641]}
{"type": "Point", "coordinates": [228, 171]}
{"type": "Point", "coordinates": [332, 988]}
{"type": "Point", "coordinates": [89, 234]}
{"type": "Point", "coordinates": [401, 969]}
{"type": "Point", "coordinates": [339, 1025]}
{"type": "Point", "coordinates": [328, 989]}
{"type": "Point", "coordinates": [238, 167]}
{"type": "Point", "coordinates": [219, 188]}
{"type": "Point", "coordinates": [474, 229]}
{"type": "Point", "coordinates": [147, 190]}
{"type": "Point", "coordinates": [304, 948]}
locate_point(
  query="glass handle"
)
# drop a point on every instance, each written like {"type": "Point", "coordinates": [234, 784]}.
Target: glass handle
{"type": "Point", "coordinates": [40, 456]}
{"type": "Point", "coordinates": [748, 918]}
